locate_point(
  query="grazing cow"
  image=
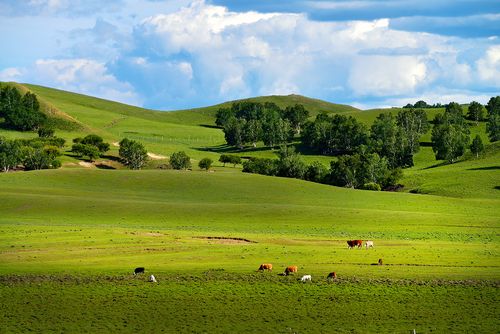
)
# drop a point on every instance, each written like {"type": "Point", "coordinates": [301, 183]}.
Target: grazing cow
{"type": "Point", "coordinates": [380, 262]}
{"type": "Point", "coordinates": [139, 270]}
{"type": "Point", "coordinates": [266, 266]}
{"type": "Point", "coordinates": [152, 279]}
{"type": "Point", "coordinates": [332, 275]}
{"type": "Point", "coordinates": [354, 243]}
{"type": "Point", "coordinates": [369, 243]}
{"type": "Point", "coordinates": [290, 269]}
{"type": "Point", "coordinates": [306, 278]}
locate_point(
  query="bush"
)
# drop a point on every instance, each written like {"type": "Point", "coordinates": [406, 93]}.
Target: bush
{"type": "Point", "coordinates": [205, 163]}
{"type": "Point", "coordinates": [180, 160]}
{"type": "Point", "coordinates": [133, 153]}
{"type": "Point", "coordinates": [371, 186]}
{"type": "Point", "coordinates": [262, 166]}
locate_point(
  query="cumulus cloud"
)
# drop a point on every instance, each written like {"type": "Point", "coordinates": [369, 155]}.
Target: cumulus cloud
{"type": "Point", "coordinates": [77, 75]}
{"type": "Point", "coordinates": [201, 54]}
{"type": "Point", "coordinates": [383, 75]}
{"type": "Point", "coordinates": [234, 55]}
{"type": "Point", "coordinates": [488, 66]}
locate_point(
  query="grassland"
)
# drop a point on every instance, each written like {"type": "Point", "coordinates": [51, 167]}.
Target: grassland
{"type": "Point", "coordinates": [70, 238]}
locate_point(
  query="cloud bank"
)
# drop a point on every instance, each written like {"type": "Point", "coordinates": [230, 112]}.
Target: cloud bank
{"type": "Point", "coordinates": [196, 54]}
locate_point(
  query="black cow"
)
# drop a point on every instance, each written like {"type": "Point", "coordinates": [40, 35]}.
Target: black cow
{"type": "Point", "coordinates": [139, 270]}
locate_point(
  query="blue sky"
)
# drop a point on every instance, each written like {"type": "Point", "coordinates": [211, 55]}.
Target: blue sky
{"type": "Point", "coordinates": [175, 54]}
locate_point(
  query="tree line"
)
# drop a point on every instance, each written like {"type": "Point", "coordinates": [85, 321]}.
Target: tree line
{"type": "Point", "coordinates": [20, 112]}
{"type": "Point", "coordinates": [369, 158]}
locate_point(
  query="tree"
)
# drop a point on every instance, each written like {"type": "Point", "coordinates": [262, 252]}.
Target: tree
{"type": "Point", "coordinates": [252, 131]}
{"type": "Point", "coordinates": [276, 131]}
{"type": "Point", "coordinates": [262, 166]}
{"type": "Point", "coordinates": [421, 104]}
{"type": "Point", "coordinates": [84, 150]}
{"type": "Point", "coordinates": [290, 164]}
{"type": "Point", "coordinates": [95, 141]}
{"type": "Point", "coordinates": [477, 146]}
{"type": "Point", "coordinates": [222, 116]}
{"type": "Point", "coordinates": [10, 154]}
{"type": "Point", "coordinates": [383, 137]}
{"type": "Point", "coordinates": [180, 160]}
{"type": "Point", "coordinates": [133, 153]}
{"type": "Point", "coordinates": [45, 132]}
{"type": "Point", "coordinates": [358, 170]}
{"type": "Point", "coordinates": [21, 113]}
{"type": "Point", "coordinates": [232, 159]}
{"type": "Point", "coordinates": [235, 160]}
{"type": "Point", "coordinates": [205, 163]}
{"type": "Point", "coordinates": [476, 112]}
{"type": "Point", "coordinates": [493, 125]}
{"type": "Point", "coordinates": [316, 172]}
{"type": "Point", "coordinates": [234, 132]}
{"type": "Point", "coordinates": [36, 158]}
{"type": "Point", "coordinates": [450, 138]}
{"type": "Point", "coordinates": [296, 115]}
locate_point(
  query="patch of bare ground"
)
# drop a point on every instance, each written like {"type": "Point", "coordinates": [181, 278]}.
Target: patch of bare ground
{"type": "Point", "coordinates": [156, 156]}
{"type": "Point", "coordinates": [227, 240]}
{"type": "Point", "coordinates": [86, 164]}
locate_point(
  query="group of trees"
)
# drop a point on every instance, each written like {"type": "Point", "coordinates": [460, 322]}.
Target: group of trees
{"type": "Point", "coordinates": [422, 104]}
{"type": "Point", "coordinates": [91, 146]}
{"type": "Point", "coordinates": [20, 112]}
{"type": "Point", "coordinates": [249, 122]}
{"type": "Point", "coordinates": [450, 134]}
{"type": "Point", "coordinates": [361, 170]}
{"type": "Point", "coordinates": [395, 138]}
{"type": "Point", "coordinates": [31, 154]}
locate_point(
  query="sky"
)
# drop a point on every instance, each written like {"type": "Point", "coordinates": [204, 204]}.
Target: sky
{"type": "Point", "coordinates": [179, 54]}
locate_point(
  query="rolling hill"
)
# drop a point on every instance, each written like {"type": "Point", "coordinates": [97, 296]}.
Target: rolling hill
{"type": "Point", "coordinates": [71, 237]}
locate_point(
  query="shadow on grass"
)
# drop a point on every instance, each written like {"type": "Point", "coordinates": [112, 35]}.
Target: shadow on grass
{"type": "Point", "coordinates": [485, 168]}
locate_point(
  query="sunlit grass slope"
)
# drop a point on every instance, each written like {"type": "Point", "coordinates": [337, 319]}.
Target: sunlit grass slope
{"type": "Point", "coordinates": [101, 220]}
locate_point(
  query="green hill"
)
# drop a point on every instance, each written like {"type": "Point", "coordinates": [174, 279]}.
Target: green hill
{"type": "Point", "coordinates": [70, 237]}
{"type": "Point", "coordinates": [192, 131]}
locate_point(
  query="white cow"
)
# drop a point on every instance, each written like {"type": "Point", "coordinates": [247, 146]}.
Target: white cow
{"type": "Point", "coordinates": [369, 243]}
{"type": "Point", "coordinates": [152, 278]}
{"type": "Point", "coordinates": [306, 278]}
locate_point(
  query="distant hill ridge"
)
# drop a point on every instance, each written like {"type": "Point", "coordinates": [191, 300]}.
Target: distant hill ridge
{"type": "Point", "coordinates": [51, 97]}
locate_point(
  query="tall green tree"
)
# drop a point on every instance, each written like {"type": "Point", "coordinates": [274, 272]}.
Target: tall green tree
{"type": "Point", "coordinates": [450, 136]}
{"type": "Point", "coordinates": [296, 115]}
{"type": "Point", "coordinates": [234, 132]}
{"type": "Point", "coordinates": [493, 125]}
{"type": "Point", "coordinates": [476, 112]}
{"type": "Point", "coordinates": [290, 163]}
{"type": "Point", "coordinates": [477, 146]}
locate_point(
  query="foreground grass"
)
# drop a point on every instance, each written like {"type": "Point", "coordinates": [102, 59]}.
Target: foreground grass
{"type": "Point", "coordinates": [217, 301]}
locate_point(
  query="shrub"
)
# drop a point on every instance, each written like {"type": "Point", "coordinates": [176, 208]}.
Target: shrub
{"type": "Point", "coordinates": [371, 186]}
{"type": "Point", "coordinates": [205, 163]}
{"type": "Point", "coordinates": [180, 160]}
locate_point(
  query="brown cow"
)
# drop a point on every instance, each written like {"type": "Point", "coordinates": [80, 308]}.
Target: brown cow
{"type": "Point", "coordinates": [290, 269]}
{"type": "Point", "coordinates": [332, 275]}
{"type": "Point", "coordinates": [354, 243]}
{"type": "Point", "coordinates": [266, 266]}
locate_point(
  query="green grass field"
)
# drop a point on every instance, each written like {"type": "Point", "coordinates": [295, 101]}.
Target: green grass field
{"type": "Point", "coordinates": [70, 239]}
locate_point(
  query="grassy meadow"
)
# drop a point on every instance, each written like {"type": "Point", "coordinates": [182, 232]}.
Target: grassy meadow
{"type": "Point", "coordinates": [70, 239]}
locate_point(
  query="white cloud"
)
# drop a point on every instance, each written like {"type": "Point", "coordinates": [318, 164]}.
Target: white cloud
{"type": "Point", "coordinates": [11, 74]}
{"type": "Point", "coordinates": [488, 67]}
{"type": "Point", "coordinates": [77, 75]}
{"type": "Point", "coordinates": [382, 75]}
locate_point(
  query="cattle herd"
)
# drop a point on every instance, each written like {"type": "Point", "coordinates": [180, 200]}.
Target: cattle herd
{"type": "Point", "coordinates": [290, 269]}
